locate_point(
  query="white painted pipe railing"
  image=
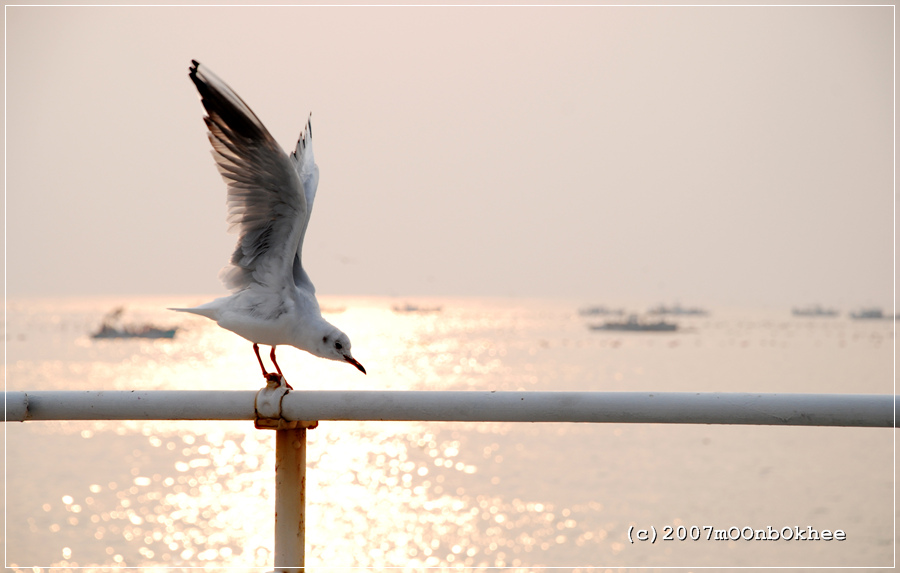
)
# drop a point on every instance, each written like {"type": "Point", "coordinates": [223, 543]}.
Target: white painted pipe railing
{"type": "Point", "coordinates": [871, 410]}
{"type": "Point", "coordinates": [291, 413]}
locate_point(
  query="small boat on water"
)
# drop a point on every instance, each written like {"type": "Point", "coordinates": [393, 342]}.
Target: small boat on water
{"type": "Point", "coordinates": [815, 311]}
{"type": "Point", "coordinates": [678, 310]}
{"type": "Point", "coordinates": [112, 327]}
{"type": "Point", "coordinates": [333, 309]}
{"type": "Point", "coordinates": [415, 308]}
{"type": "Point", "coordinates": [600, 310]}
{"type": "Point", "coordinates": [869, 314]}
{"type": "Point", "coordinates": [635, 325]}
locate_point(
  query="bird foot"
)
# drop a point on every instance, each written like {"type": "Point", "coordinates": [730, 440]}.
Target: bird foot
{"type": "Point", "coordinates": [278, 379]}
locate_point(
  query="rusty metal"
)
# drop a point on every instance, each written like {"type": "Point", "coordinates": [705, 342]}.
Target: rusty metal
{"type": "Point", "coordinates": [290, 500]}
{"type": "Point", "coordinates": [290, 474]}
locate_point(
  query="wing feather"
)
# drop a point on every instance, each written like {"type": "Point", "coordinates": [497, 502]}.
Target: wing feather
{"type": "Point", "coordinates": [268, 201]}
{"type": "Point", "coordinates": [305, 165]}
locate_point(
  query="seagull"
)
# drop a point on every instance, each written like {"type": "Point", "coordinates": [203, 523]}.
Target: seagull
{"type": "Point", "coordinates": [270, 197]}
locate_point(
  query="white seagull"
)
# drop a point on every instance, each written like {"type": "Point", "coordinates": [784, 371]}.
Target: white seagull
{"type": "Point", "coordinates": [270, 197]}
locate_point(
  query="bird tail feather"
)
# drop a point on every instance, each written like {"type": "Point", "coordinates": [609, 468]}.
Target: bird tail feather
{"type": "Point", "coordinates": [210, 313]}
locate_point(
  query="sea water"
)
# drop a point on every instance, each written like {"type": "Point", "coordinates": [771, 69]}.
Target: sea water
{"type": "Point", "coordinates": [412, 495]}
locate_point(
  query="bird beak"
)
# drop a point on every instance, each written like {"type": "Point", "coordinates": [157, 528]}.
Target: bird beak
{"type": "Point", "coordinates": [353, 361]}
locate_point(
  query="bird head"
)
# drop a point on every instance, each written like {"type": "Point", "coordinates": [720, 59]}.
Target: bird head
{"type": "Point", "coordinates": [336, 346]}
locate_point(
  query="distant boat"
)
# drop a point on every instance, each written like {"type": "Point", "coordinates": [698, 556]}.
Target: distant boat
{"type": "Point", "coordinates": [677, 309]}
{"type": "Point", "coordinates": [333, 309]}
{"type": "Point", "coordinates": [634, 325]}
{"type": "Point", "coordinates": [112, 328]}
{"type": "Point", "coordinates": [815, 310]}
{"type": "Point", "coordinates": [868, 314]}
{"type": "Point", "coordinates": [600, 310]}
{"type": "Point", "coordinates": [415, 308]}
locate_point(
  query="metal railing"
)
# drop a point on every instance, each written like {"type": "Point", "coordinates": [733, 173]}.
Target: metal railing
{"type": "Point", "coordinates": [290, 414]}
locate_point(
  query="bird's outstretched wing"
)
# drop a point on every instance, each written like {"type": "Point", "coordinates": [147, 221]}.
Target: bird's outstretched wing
{"type": "Point", "coordinates": [269, 195]}
{"type": "Point", "coordinates": [306, 167]}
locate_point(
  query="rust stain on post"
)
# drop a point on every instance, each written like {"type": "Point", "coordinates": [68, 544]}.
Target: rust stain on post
{"type": "Point", "coordinates": [290, 499]}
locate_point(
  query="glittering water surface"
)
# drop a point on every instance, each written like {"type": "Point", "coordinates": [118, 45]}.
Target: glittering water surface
{"type": "Point", "coordinates": [411, 495]}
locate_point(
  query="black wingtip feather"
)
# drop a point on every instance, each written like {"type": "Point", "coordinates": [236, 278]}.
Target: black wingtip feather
{"type": "Point", "coordinates": [219, 105]}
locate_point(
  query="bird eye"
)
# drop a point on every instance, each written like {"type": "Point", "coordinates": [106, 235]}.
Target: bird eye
{"type": "Point", "coordinates": [338, 345]}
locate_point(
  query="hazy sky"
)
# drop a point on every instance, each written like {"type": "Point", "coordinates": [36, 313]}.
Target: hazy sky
{"type": "Point", "coordinates": [709, 155]}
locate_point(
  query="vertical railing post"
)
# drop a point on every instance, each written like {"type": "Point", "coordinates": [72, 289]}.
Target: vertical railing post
{"type": "Point", "coordinates": [290, 499]}
{"type": "Point", "coordinates": [290, 474]}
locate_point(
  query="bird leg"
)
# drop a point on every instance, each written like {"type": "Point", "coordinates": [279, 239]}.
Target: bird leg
{"type": "Point", "coordinates": [272, 356]}
{"type": "Point", "coordinates": [256, 350]}
{"type": "Point", "coordinates": [270, 376]}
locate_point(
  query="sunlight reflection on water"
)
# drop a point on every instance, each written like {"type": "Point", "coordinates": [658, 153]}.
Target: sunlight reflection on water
{"type": "Point", "coordinates": [412, 495]}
